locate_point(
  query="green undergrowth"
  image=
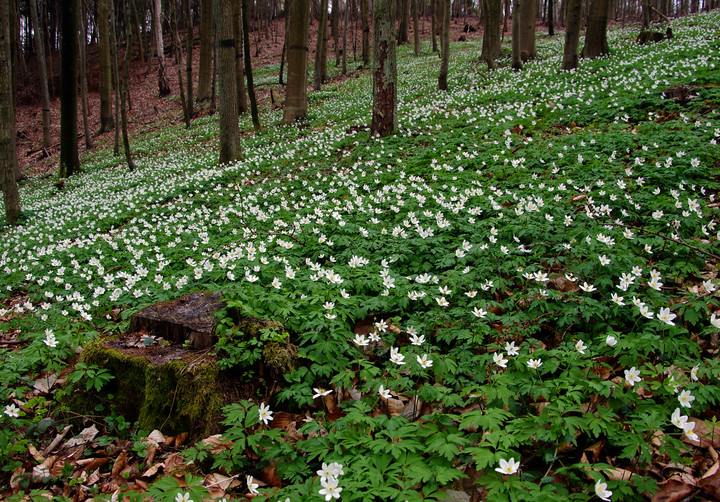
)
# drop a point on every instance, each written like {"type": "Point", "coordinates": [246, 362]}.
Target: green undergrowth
{"type": "Point", "coordinates": [526, 270]}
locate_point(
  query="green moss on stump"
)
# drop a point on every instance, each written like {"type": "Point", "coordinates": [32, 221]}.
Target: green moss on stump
{"type": "Point", "coordinates": [176, 396]}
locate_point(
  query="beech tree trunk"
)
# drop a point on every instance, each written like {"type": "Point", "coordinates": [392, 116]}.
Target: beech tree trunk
{"type": "Point", "coordinates": [107, 122]}
{"type": "Point", "coordinates": [206, 45]}
{"type": "Point", "coordinates": [551, 17]}
{"type": "Point", "coordinates": [527, 14]}
{"type": "Point", "coordinates": [433, 23]}
{"type": "Point", "coordinates": [8, 156]}
{"type": "Point", "coordinates": [516, 57]}
{"type": "Point", "coordinates": [178, 60]}
{"type": "Point", "coordinates": [163, 82]}
{"type": "Point", "coordinates": [295, 92]}
{"type": "Point", "coordinates": [572, 35]}
{"type": "Point", "coordinates": [321, 48]}
{"type": "Point", "coordinates": [124, 95]}
{"type": "Point", "coordinates": [345, 37]}
{"type": "Point", "coordinates": [188, 57]}
{"type": "Point", "coordinates": [248, 64]}
{"type": "Point", "coordinates": [225, 18]}
{"type": "Point", "coordinates": [42, 68]}
{"type": "Point", "coordinates": [69, 160]}
{"type": "Point", "coordinates": [365, 23]}
{"type": "Point", "coordinates": [596, 43]}
{"type": "Point", "coordinates": [83, 81]}
{"type": "Point", "coordinates": [492, 14]}
{"type": "Point", "coordinates": [384, 69]}
{"type": "Point", "coordinates": [416, 26]}
{"type": "Point", "coordinates": [444, 46]}
{"type": "Point", "coordinates": [115, 74]}
{"type": "Point", "coordinates": [402, 34]}
{"type": "Point", "coordinates": [243, 106]}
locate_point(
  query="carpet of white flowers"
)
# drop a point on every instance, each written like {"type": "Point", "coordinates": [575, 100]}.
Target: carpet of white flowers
{"type": "Point", "coordinates": [536, 253]}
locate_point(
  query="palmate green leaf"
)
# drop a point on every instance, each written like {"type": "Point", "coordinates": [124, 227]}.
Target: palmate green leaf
{"type": "Point", "coordinates": [483, 457]}
{"type": "Point", "coordinates": [490, 419]}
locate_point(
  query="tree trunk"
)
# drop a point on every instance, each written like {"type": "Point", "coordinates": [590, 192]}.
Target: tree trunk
{"type": "Point", "coordinates": [42, 67]}
{"type": "Point", "coordinates": [445, 46]}
{"type": "Point", "coordinates": [572, 35]}
{"type": "Point", "coordinates": [124, 93]}
{"type": "Point", "coordinates": [433, 23]}
{"type": "Point", "coordinates": [384, 70]}
{"type": "Point", "coordinates": [178, 60]}
{"type": "Point", "coordinates": [295, 92]}
{"type": "Point", "coordinates": [551, 20]}
{"type": "Point", "coordinates": [402, 34]}
{"type": "Point", "coordinates": [321, 48]}
{"type": "Point", "coordinates": [527, 15]}
{"type": "Point", "coordinates": [248, 64]}
{"type": "Point", "coordinates": [491, 31]}
{"type": "Point", "coordinates": [416, 26]}
{"type": "Point", "coordinates": [206, 44]}
{"type": "Point", "coordinates": [646, 13]}
{"type": "Point", "coordinates": [8, 156]}
{"type": "Point", "coordinates": [345, 36]}
{"type": "Point", "coordinates": [163, 82]}
{"type": "Point", "coordinates": [516, 58]}
{"type": "Point", "coordinates": [107, 122]}
{"type": "Point", "coordinates": [334, 29]}
{"type": "Point", "coordinates": [69, 161]}
{"type": "Point", "coordinates": [128, 8]}
{"type": "Point", "coordinates": [188, 57]}
{"type": "Point", "coordinates": [283, 55]}
{"type": "Point", "coordinates": [596, 43]}
{"type": "Point", "coordinates": [227, 84]}
{"type": "Point", "coordinates": [242, 99]}
{"type": "Point", "coordinates": [365, 23]}
{"type": "Point", "coordinates": [83, 81]}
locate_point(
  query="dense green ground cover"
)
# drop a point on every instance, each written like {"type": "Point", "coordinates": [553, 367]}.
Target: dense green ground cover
{"type": "Point", "coordinates": [539, 251]}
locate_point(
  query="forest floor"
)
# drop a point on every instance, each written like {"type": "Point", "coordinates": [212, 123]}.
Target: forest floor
{"type": "Point", "coordinates": [151, 112]}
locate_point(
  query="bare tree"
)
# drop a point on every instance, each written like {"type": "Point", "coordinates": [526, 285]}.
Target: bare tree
{"type": "Point", "coordinates": [444, 46]}
{"type": "Point", "coordinates": [365, 23]}
{"type": "Point", "coordinates": [125, 93]}
{"type": "Point", "coordinates": [526, 17]}
{"type": "Point", "coordinates": [516, 57]}
{"type": "Point", "coordinates": [492, 14]}
{"type": "Point", "coordinates": [163, 82]}
{"type": "Point", "coordinates": [8, 158]}
{"type": "Point", "coordinates": [295, 92]}
{"type": "Point", "coordinates": [42, 67]}
{"type": "Point", "coordinates": [69, 160]}
{"type": "Point", "coordinates": [206, 44]}
{"type": "Point", "coordinates": [416, 26]}
{"type": "Point", "coordinates": [83, 80]}
{"type": "Point", "coordinates": [107, 122]}
{"type": "Point", "coordinates": [596, 43]}
{"type": "Point", "coordinates": [321, 48]}
{"type": "Point", "coordinates": [248, 64]}
{"type": "Point", "coordinates": [384, 69]}
{"type": "Point", "coordinates": [188, 57]}
{"type": "Point", "coordinates": [572, 35]}
{"type": "Point", "coordinates": [227, 93]}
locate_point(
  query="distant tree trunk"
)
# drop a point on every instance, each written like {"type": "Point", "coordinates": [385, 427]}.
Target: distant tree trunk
{"type": "Point", "coordinates": [596, 43]}
{"type": "Point", "coordinates": [248, 64]}
{"type": "Point", "coordinates": [345, 36]}
{"type": "Point", "coordinates": [433, 23]}
{"type": "Point", "coordinates": [506, 3]}
{"type": "Point", "coordinates": [178, 60]}
{"type": "Point", "coordinates": [416, 26]}
{"type": "Point", "coordinates": [492, 10]}
{"type": "Point", "coordinates": [295, 92]}
{"type": "Point", "coordinates": [188, 56]}
{"type": "Point", "coordinates": [163, 82]}
{"type": "Point", "coordinates": [551, 15]}
{"type": "Point", "coordinates": [136, 25]}
{"type": "Point", "coordinates": [124, 93]}
{"type": "Point", "coordinates": [321, 47]}
{"type": "Point", "coordinates": [107, 122]}
{"type": "Point", "coordinates": [42, 67]}
{"type": "Point", "coordinates": [227, 93]}
{"type": "Point", "coordinates": [8, 157]}
{"type": "Point", "coordinates": [283, 55]}
{"type": "Point", "coordinates": [444, 46]}
{"type": "Point", "coordinates": [242, 99]}
{"type": "Point", "coordinates": [402, 34]}
{"type": "Point", "coordinates": [365, 24]}
{"type": "Point", "coordinates": [206, 50]}
{"type": "Point", "coordinates": [646, 13]}
{"type": "Point", "coordinates": [526, 17]}
{"type": "Point", "coordinates": [69, 160]}
{"type": "Point", "coordinates": [83, 81]}
{"type": "Point", "coordinates": [115, 74]}
{"type": "Point", "coordinates": [334, 28]}
{"type": "Point", "coordinates": [384, 69]}
{"type": "Point", "coordinates": [516, 58]}
{"type": "Point", "coordinates": [572, 35]}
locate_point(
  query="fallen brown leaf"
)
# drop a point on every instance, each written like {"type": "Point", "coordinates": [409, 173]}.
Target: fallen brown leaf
{"type": "Point", "coordinates": [710, 482]}
{"type": "Point", "coordinates": [673, 490]}
{"type": "Point", "coordinates": [120, 463]}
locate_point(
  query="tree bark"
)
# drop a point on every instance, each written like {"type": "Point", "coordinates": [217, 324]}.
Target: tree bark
{"type": "Point", "coordinates": [551, 18]}
{"type": "Point", "coordinates": [444, 46]}
{"type": "Point", "coordinates": [295, 92]}
{"type": "Point", "coordinates": [572, 35]}
{"type": "Point", "coordinates": [384, 69]}
{"type": "Point", "coordinates": [321, 48]}
{"type": "Point", "coordinates": [188, 57]}
{"type": "Point", "coordinates": [345, 37]}
{"type": "Point", "coordinates": [416, 26]}
{"type": "Point", "coordinates": [206, 43]}
{"type": "Point", "coordinates": [516, 57]}
{"type": "Point", "coordinates": [283, 55]}
{"type": "Point", "coordinates": [124, 93]}
{"type": "Point", "coordinates": [491, 31]}
{"type": "Point", "coordinates": [42, 67]}
{"type": "Point", "coordinates": [248, 64]}
{"type": "Point", "coordinates": [402, 34]}
{"type": "Point", "coordinates": [178, 60]}
{"type": "Point", "coordinates": [163, 82]}
{"type": "Point", "coordinates": [334, 29]}
{"type": "Point", "coordinates": [433, 23]}
{"type": "Point", "coordinates": [83, 81]}
{"type": "Point", "coordinates": [227, 84]}
{"type": "Point", "coordinates": [527, 15]}
{"type": "Point", "coordinates": [596, 43]}
{"type": "Point", "coordinates": [107, 122]}
{"type": "Point", "coordinates": [115, 74]}
{"type": "Point", "coordinates": [365, 24]}
{"type": "Point", "coordinates": [8, 156]}
{"type": "Point", "coordinates": [69, 160]}
{"type": "Point", "coordinates": [242, 99]}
